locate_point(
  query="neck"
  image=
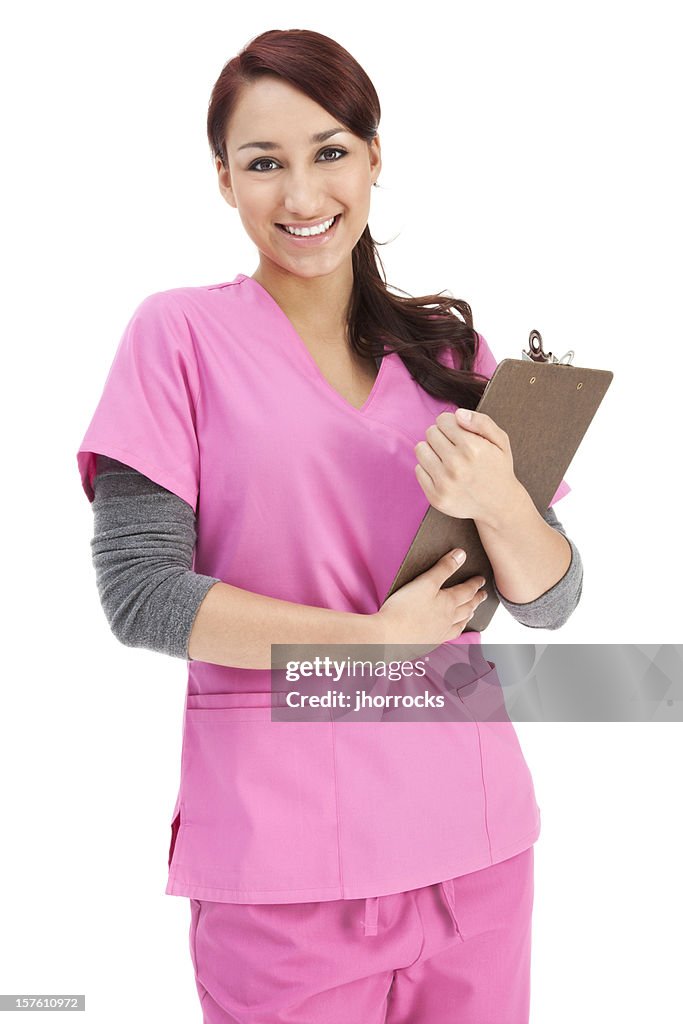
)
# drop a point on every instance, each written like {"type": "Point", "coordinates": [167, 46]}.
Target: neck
{"type": "Point", "coordinates": [315, 305]}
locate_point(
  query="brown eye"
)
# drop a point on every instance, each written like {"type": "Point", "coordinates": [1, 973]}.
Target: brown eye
{"type": "Point", "coordinates": [333, 149]}
{"type": "Point", "coordinates": [263, 160]}
{"type": "Point", "coordinates": [268, 160]}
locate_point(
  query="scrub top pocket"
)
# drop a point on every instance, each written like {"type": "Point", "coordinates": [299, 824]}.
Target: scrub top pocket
{"type": "Point", "coordinates": [258, 801]}
{"type": "Point", "coordinates": [483, 698]}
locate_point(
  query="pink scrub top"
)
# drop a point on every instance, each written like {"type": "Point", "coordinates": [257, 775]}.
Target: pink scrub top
{"type": "Point", "coordinates": [300, 496]}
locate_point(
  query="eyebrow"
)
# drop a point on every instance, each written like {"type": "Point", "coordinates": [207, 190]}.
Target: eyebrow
{"type": "Point", "coordinates": [319, 137]}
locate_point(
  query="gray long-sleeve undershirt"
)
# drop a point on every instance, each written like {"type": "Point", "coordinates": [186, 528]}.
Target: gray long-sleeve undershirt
{"type": "Point", "coordinates": [142, 550]}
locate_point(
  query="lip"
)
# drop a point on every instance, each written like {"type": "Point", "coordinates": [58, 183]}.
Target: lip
{"type": "Point", "coordinates": [311, 240]}
{"type": "Point", "coordinates": [309, 223]}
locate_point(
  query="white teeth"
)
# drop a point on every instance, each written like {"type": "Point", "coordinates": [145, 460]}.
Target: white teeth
{"type": "Point", "coordinates": [319, 229]}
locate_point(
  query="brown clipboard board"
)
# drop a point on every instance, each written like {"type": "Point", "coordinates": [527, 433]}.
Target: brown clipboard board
{"type": "Point", "coordinates": [545, 408]}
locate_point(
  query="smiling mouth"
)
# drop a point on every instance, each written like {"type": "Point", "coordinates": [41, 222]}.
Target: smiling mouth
{"type": "Point", "coordinates": [311, 234]}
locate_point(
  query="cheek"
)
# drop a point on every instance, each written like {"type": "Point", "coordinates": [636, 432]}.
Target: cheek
{"type": "Point", "coordinates": [257, 220]}
{"type": "Point", "coordinates": [255, 205]}
{"type": "Point", "coordinates": [361, 201]}
{"type": "Point", "coordinates": [356, 212]}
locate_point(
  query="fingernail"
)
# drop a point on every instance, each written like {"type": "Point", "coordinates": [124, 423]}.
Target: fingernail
{"type": "Point", "coordinates": [464, 414]}
{"type": "Point", "coordinates": [458, 555]}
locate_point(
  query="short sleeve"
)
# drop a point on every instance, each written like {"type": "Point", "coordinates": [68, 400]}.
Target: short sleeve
{"type": "Point", "coordinates": [486, 363]}
{"type": "Point", "coordinates": [146, 415]}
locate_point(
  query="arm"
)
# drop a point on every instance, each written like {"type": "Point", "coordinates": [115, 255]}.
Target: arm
{"type": "Point", "coordinates": [553, 607]}
{"type": "Point", "coordinates": [236, 627]}
{"type": "Point", "coordinates": [143, 544]}
{"type": "Point", "coordinates": [142, 549]}
{"type": "Point", "coordinates": [465, 469]}
{"type": "Point", "coordinates": [527, 555]}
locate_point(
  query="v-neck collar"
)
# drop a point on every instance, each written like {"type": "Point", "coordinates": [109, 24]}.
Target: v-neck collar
{"type": "Point", "coordinates": [301, 346]}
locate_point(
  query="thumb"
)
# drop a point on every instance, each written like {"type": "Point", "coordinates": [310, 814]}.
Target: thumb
{"type": "Point", "coordinates": [447, 564]}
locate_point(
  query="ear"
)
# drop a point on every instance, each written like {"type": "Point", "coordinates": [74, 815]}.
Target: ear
{"type": "Point", "coordinates": [224, 183]}
{"type": "Point", "coordinates": [375, 154]}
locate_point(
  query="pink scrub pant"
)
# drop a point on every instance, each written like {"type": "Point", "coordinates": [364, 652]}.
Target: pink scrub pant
{"type": "Point", "coordinates": [457, 951]}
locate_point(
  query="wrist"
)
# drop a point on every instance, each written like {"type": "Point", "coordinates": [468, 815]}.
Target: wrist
{"type": "Point", "coordinates": [373, 628]}
{"type": "Point", "coordinates": [516, 505]}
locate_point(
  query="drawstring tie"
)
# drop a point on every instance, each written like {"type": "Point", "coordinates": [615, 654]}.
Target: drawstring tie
{"type": "Point", "coordinates": [370, 917]}
{"type": "Point", "coordinates": [448, 889]}
{"type": "Point", "coordinates": [371, 907]}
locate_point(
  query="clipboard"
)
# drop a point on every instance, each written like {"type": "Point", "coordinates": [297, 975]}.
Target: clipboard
{"type": "Point", "coordinates": [545, 405]}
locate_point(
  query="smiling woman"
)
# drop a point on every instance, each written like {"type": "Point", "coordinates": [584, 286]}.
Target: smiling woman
{"type": "Point", "coordinates": [275, 98]}
{"type": "Point", "coordinates": [254, 452]}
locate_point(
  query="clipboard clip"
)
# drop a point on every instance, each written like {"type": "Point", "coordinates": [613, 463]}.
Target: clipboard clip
{"type": "Point", "coordinates": [536, 354]}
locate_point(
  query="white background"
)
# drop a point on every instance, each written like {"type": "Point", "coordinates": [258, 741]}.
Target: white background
{"type": "Point", "coordinates": [530, 166]}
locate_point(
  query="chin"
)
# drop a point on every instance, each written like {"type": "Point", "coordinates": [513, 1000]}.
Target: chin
{"type": "Point", "coordinates": [318, 265]}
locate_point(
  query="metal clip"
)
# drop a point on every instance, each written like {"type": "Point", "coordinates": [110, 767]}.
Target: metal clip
{"type": "Point", "coordinates": [536, 354]}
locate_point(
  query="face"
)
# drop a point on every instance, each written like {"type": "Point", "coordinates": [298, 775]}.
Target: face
{"type": "Point", "coordinates": [293, 179]}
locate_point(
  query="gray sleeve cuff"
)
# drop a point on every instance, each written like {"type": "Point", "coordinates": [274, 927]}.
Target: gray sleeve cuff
{"type": "Point", "coordinates": [551, 609]}
{"type": "Point", "coordinates": [142, 551]}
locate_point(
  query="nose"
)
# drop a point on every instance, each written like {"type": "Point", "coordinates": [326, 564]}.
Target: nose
{"type": "Point", "coordinates": [303, 196]}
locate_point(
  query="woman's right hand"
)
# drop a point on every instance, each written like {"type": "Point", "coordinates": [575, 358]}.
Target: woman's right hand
{"type": "Point", "coordinates": [423, 614]}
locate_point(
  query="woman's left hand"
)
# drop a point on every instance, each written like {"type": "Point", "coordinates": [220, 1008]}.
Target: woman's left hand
{"type": "Point", "coordinates": [465, 468]}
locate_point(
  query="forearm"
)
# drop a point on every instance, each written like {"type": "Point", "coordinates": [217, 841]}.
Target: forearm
{"type": "Point", "coordinates": [527, 555]}
{"type": "Point", "coordinates": [237, 627]}
{"type": "Point", "coordinates": [143, 543]}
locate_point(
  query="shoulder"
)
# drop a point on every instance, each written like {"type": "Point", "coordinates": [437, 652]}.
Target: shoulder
{"type": "Point", "coordinates": [187, 301]}
{"type": "Point", "coordinates": [485, 362]}
{"type": "Point", "coordinates": [177, 319]}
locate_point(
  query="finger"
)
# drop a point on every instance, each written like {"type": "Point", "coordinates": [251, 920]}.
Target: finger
{"type": "Point", "coordinates": [426, 483]}
{"type": "Point", "coordinates": [464, 592]}
{"type": "Point", "coordinates": [463, 614]}
{"type": "Point", "coordinates": [446, 566]}
{"type": "Point", "coordinates": [468, 609]}
{"type": "Point", "coordinates": [439, 442]}
{"type": "Point", "coordinates": [427, 457]}
{"type": "Point", "coordinates": [479, 423]}
{"type": "Point", "coordinates": [447, 423]}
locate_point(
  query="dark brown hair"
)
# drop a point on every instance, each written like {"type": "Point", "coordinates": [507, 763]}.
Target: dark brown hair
{"type": "Point", "coordinates": [417, 328]}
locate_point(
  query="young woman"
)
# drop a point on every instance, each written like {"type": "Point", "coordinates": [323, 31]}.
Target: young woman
{"type": "Point", "coordinates": [260, 459]}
